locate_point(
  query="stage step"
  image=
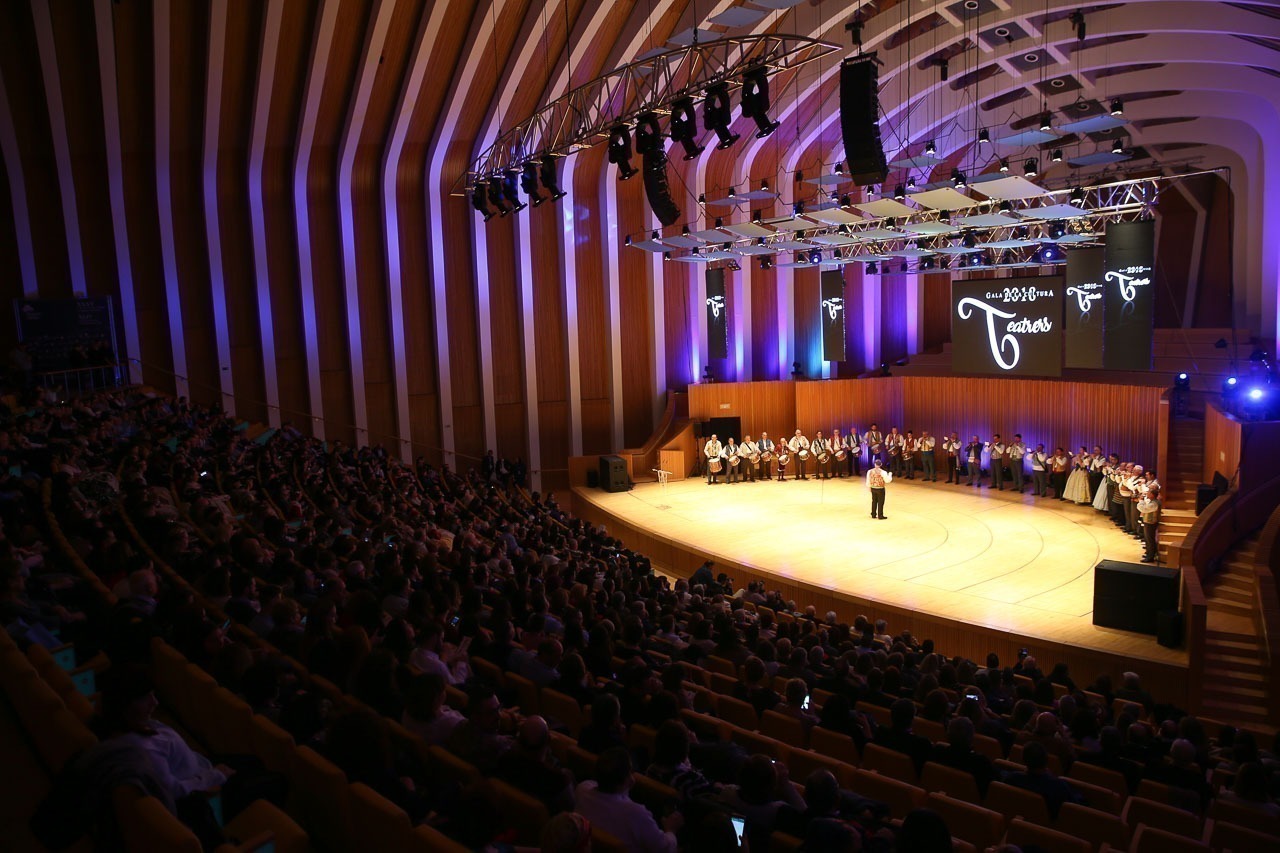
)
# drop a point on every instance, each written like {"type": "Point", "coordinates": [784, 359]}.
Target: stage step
{"type": "Point", "coordinates": [1246, 713]}
{"type": "Point", "coordinates": [1239, 664]}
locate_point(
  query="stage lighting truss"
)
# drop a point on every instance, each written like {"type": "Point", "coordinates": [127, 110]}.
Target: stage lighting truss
{"type": "Point", "coordinates": [989, 233]}
{"type": "Point", "coordinates": [583, 117]}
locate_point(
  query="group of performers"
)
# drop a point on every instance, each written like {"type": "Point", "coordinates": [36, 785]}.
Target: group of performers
{"type": "Point", "coordinates": [1124, 490]}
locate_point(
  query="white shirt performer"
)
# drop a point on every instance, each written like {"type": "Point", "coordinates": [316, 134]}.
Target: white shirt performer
{"type": "Point", "coordinates": [712, 450]}
{"type": "Point", "coordinates": [877, 479]}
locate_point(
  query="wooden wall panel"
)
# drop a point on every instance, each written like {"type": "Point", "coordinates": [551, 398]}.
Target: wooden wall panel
{"type": "Point", "coordinates": [936, 322]}
{"type": "Point", "coordinates": [762, 406]}
{"type": "Point", "coordinates": [893, 318]}
{"type": "Point", "coordinates": [763, 357]}
{"type": "Point", "coordinates": [807, 343]}
{"type": "Point", "coordinates": [505, 322]}
{"type": "Point", "coordinates": [551, 338]}
{"type": "Point", "coordinates": [636, 306]}
{"type": "Point", "coordinates": [593, 316]}
{"type": "Point", "coordinates": [135, 84]}
{"type": "Point", "coordinates": [188, 61]}
{"type": "Point", "coordinates": [1221, 444]}
{"type": "Point", "coordinates": [846, 403]}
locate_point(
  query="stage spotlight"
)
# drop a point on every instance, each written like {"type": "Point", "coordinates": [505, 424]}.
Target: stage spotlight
{"type": "Point", "coordinates": [926, 263]}
{"type": "Point", "coordinates": [1006, 206]}
{"type": "Point", "coordinates": [757, 216]}
{"type": "Point", "coordinates": [529, 183]}
{"type": "Point", "coordinates": [958, 179]}
{"type": "Point", "coordinates": [1256, 394]}
{"type": "Point", "coordinates": [815, 256]}
{"type": "Point", "coordinates": [496, 198]}
{"type": "Point", "coordinates": [716, 114]}
{"type": "Point", "coordinates": [684, 127]}
{"type": "Point", "coordinates": [1022, 232]}
{"type": "Point", "coordinates": [911, 182]}
{"type": "Point", "coordinates": [620, 151]}
{"type": "Point", "coordinates": [766, 262]}
{"type": "Point", "coordinates": [969, 240]}
{"type": "Point", "coordinates": [984, 136]}
{"type": "Point", "coordinates": [1229, 387]}
{"type": "Point", "coordinates": [871, 269]}
{"type": "Point", "coordinates": [549, 180]}
{"type": "Point", "coordinates": [1077, 21]}
{"type": "Point", "coordinates": [479, 203]}
{"type": "Point", "coordinates": [1077, 196]}
{"type": "Point", "coordinates": [764, 186]}
{"type": "Point", "coordinates": [899, 192]}
{"type": "Point", "coordinates": [1117, 107]}
{"type": "Point", "coordinates": [1057, 155]}
{"type": "Point", "coordinates": [1050, 254]}
{"type": "Point", "coordinates": [1046, 121]}
{"type": "Point", "coordinates": [930, 148]}
{"type": "Point", "coordinates": [1258, 355]}
{"type": "Point", "coordinates": [648, 134]}
{"type": "Point", "coordinates": [1117, 147]}
{"type": "Point", "coordinates": [1220, 343]}
{"type": "Point", "coordinates": [944, 262]}
{"type": "Point", "coordinates": [1057, 229]}
{"type": "Point", "coordinates": [509, 190]}
{"type": "Point", "coordinates": [902, 267]}
{"type": "Point", "coordinates": [1183, 381]}
{"type": "Point", "coordinates": [1030, 168]}
{"type": "Point", "coordinates": [797, 209]}
{"type": "Point", "coordinates": [755, 100]}
{"type": "Point", "coordinates": [1004, 164]}
{"type": "Point", "coordinates": [884, 369]}
{"type": "Point", "coordinates": [963, 262]}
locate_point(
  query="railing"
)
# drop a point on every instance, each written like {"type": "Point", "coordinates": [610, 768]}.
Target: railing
{"type": "Point", "coordinates": [1264, 584]}
{"type": "Point", "coordinates": [82, 380]}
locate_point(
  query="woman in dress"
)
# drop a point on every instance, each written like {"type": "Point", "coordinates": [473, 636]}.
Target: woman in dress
{"type": "Point", "coordinates": [1078, 483]}
{"type": "Point", "coordinates": [1102, 498]}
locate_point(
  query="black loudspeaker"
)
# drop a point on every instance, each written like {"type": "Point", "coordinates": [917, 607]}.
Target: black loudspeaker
{"type": "Point", "coordinates": [1169, 628]}
{"type": "Point", "coordinates": [656, 190]}
{"type": "Point", "coordinates": [699, 429]}
{"type": "Point", "coordinates": [593, 479]}
{"type": "Point", "coordinates": [860, 120]}
{"type": "Point", "coordinates": [1130, 596]}
{"type": "Point", "coordinates": [613, 474]}
{"type": "Point", "coordinates": [1204, 496]}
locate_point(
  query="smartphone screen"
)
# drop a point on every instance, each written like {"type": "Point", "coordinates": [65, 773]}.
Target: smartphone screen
{"type": "Point", "coordinates": [739, 827]}
{"type": "Point", "coordinates": [804, 706]}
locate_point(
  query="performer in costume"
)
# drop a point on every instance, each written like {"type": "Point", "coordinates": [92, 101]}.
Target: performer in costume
{"type": "Point", "coordinates": [909, 448]}
{"type": "Point", "coordinates": [997, 448]}
{"type": "Point", "coordinates": [927, 445]}
{"type": "Point", "coordinates": [713, 450]}
{"type": "Point", "coordinates": [1149, 511]}
{"type": "Point", "coordinates": [1059, 465]}
{"type": "Point", "coordinates": [1119, 491]}
{"type": "Point", "coordinates": [798, 443]}
{"type": "Point", "coordinates": [1039, 472]}
{"type": "Point", "coordinates": [783, 456]}
{"type": "Point", "coordinates": [877, 479]}
{"type": "Point", "coordinates": [874, 440]}
{"type": "Point", "coordinates": [1014, 454]}
{"type": "Point", "coordinates": [951, 445]}
{"type": "Point", "coordinates": [855, 452]}
{"type": "Point", "coordinates": [765, 469]}
{"type": "Point", "coordinates": [973, 461]}
{"type": "Point", "coordinates": [893, 447]}
{"type": "Point", "coordinates": [821, 450]}
{"type": "Point", "coordinates": [750, 454]}
{"type": "Point", "coordinates": [1078, 481]}
{"type": "Point", "coordinates": [1102, 495]}
{"type": "Point", "coordinates": [732, 462]}
{"type": "Point", "coordinates": [1097, 464]}
{"type": "Point", "coordinates": [839, 452]}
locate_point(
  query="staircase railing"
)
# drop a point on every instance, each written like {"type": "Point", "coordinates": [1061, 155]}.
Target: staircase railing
{"type": "Point", "coordinates": [1264, 584]}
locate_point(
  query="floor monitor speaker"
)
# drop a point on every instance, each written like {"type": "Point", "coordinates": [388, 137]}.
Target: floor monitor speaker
{"type": "Point", "coordinates": [1131, 596]}
{"type": "Point", "coordinates": [613, 474]}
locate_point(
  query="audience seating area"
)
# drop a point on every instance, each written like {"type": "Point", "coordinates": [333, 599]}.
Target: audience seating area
{"type": "Point", "coordinates": [405, 657]}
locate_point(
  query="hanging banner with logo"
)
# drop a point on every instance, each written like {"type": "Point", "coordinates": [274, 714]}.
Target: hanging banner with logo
{"type": "Point", "coordinates": [717, 315]}
{"type": "Point", "coordinates": [831, 315]}
{"type": "Point", "coordinates": [1007, 327]}
{"type": "Point", "coordinates": [1130, 295]}
{"type": "Point", "coordinates": [1084, 307]}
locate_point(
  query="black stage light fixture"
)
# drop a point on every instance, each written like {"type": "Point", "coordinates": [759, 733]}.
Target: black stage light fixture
{"type": "Point", "coordinates": [944, 69]}
{"type": "Point", "coordinates": [958, 179]}
{"type": "Point", "coordinates": [1006, 206]}
{"type": "Point", "coordinates": [684, 127]}
{"type": "Point", "coordinates": [549, 180]}
{"type": "Point", "coordinates": [911, 182]}
{"type": "Point", "coordinates": [1183, 381]}
{"type": "Point", "coordinates": [1117, 147]}
{"type": "Point", "coordinates": [1057, 155]}
{"type": "Point", "coordinates": [871, 269]}
{"type": "Point", "coordinates": [1077, 195]}
{"type": "Point", "coordinates": [1050, 253]}
{"type": "Point", "coordinates": [648, 134]}
{"type": "Point", "coordinates": [899, 192]}
{"type": "Point", "coordinates": [926, 263]}
{"type": "Point", "coordinates": [1030, 168]}
{"type": "Point", "coordinates": [931, 148]}
{"type": "Point", "coordinates": [1004, 164]}
{"type": "Point", "coordinates": [1077, 21]}
{"type": "Point", "coordinates": [963, 261]}
{"type": "Point", "coordinates": [1117, 106]}
{"type": "Point", "coordinates": [1022, 232]}
{"type": "Point", "coordinates": [509, 190]}
{"type": "Point", "coordinates": [969, 240]}
{"type": "Point", "coordinates": [620, 151]}
{"type": "Point", "coordinates": [529, 183]}
{"type": "Point", "coordinates": [766, 262]}
{"type": "Point", "coordinates": [902, 267]}
{"type": "Point", "coordinates": [755, 100]}
{"type": "Point", "coordinates": [984, 136]}
{"type": "Point", "coordinates": [1057, 229]}
{"type": "Point", "coordinates": [1046, 121]}
{"type": "Point", "coordinates": [479, 202]}
{"type": "Point", "coordinates": [717, 115]}
{"type": "Point", "coordinates": [815, 256]}
{"type": "Point", "coordinates": [495, 196]}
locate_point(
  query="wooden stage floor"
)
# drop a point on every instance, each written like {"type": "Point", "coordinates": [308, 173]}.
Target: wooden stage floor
{"type": "Point", "coordinates": [1007, 563]}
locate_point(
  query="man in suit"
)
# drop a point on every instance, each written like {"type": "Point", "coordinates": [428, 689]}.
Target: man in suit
{"type": "Point", "coordinates": [898, 737]}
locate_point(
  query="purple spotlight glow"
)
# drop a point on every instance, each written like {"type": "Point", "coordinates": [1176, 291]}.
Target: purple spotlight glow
{"type": "Point", "coordinates": [1256, 394]}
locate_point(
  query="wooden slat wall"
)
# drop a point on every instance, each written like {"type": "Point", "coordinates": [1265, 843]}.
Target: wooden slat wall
{"type": "Point", "coordinates": [1122, 418]}
{"type": "Point", "coordinates": [1221, 444]}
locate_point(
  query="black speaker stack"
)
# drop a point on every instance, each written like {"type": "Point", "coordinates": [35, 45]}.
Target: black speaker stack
{"type": "Point", "coordinates": [613, 474]}
{"type": "Point", "coordinates": [860, 120]}
{"type": "Point", "coordinates": [656, 189]}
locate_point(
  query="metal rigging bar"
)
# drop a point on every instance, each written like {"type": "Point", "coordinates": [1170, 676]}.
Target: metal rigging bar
{"type": "Point", "coordinates": [582, 118]}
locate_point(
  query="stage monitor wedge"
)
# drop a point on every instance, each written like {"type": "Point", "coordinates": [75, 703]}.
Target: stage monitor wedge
{"type": "Point", "coordinates": [613, 474]}
{"type": "Point", "coordinates": [1131, 596]}
{"type": "Point", "coordinates": [860, 120]}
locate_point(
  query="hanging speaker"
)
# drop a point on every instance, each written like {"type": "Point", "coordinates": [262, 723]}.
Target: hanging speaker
{"type": "Point", "coordinates": [655, 187]}
{"type": "Point", "coordinates": [860, 120]}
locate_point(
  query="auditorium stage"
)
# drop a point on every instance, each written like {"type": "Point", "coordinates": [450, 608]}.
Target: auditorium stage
{"type": "Point", "coordinates": [976, 570]}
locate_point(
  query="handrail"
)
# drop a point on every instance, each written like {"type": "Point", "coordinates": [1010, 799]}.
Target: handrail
{"type": "Point", "coordinates": [1264, 584]}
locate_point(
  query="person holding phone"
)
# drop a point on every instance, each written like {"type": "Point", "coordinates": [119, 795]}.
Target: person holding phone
{"type": "Point", "coordinates": [432, 656]}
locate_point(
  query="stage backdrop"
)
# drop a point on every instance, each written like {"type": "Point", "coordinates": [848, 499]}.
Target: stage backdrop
{"type": "Point", "coordinates": [1122, 418]}
{"type": "Point", "coordinates": [1009, 327]}
{"type": "Point", "coordinates": [1084, 307]}
{"type": "Point", "coordinates": [1130, 295]}
{"type": "Point", "coordinates": [831, 315]}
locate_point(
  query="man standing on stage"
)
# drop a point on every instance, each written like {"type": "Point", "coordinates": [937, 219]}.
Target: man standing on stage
{"type": "Point", "coordinates": [712, 450]}
{"type": "Point", "coordinates": [1149, 511]}
{"type": "Point", "coordinates": [766, 465]}
{"type": "Point", "coordinates": [927, 444]}
{"type": "Point", "coordinates": [799, 442]}
{"type": "Point", "coordinates": [997, 448]}
{"type": "Point", "coordinates": [746, 450]}
{"type": "Point", "coordinates": [877, 479]}
{"type": "Point", "coordinates": [855, 452]}
{"type": "Point", "coordinates": [952, 447]}
{"type": "Point", "coordinates": [732, 462]}
{"type": "Point", "coordinates": [1059, 468]}
{"type": "Point", "coordinates": [1039, 472]}
{"type": "Point", "coordinates": [1014, 453]}
{"type": "Point", "coordinates": [973, 461]}
{"type": "Point", "coordinates": [838, 443]}
{"type": "Point", "coordinates": [909, 448]}
{"type": "Point", "coordinates": [874, 440]}
{"type": "Point", "coordinates": [893, 447]}
{"type": "Point", "coordinates": [818, 447]}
